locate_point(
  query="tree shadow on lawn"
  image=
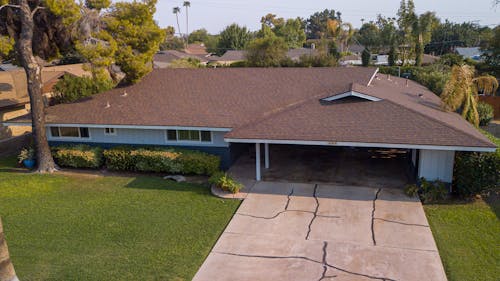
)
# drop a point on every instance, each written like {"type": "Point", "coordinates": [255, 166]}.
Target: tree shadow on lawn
{"type": "Point", "coordinates": [493, 200]}
{"type": "Point", "coordinates": [158, 183]}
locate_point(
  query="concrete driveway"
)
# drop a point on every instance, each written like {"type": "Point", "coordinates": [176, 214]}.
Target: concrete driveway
{"type": "Point", "coordinates": [289, 231]}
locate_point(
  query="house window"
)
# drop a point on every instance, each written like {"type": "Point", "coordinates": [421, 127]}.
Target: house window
{"type": "Point", "coordinates": [109, 131]}
{"type": "Point", "coordinates": [69, 132]}
{"type": "Point", "coordinates": [172, 135]}
{"type": "Point", "coordinates": [189, 136]}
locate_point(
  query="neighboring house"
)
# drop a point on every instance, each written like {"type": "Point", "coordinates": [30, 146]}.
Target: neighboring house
{"type": "Point", "coordinates": [225, 111]}
{"type": "Point", "coordinates": [198, 49]}
{"type": "Point", "coordinates": [14, 99]}
{"type": "Point", "coordinates": [296, 54]}
{"type": "Point", "coordinates": [164, 59]}
{"type": "Point", "coordinates": [351, 60]}
{"type": "Point", "coordinates": [473, 53]}
{"type": "Point", "coordinates": [232, 56]}
{"type": "Point", "coordinates": [229, 57]}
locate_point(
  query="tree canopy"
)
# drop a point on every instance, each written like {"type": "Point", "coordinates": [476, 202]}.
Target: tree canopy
{"type": "Point", "coordinates": [233, 37]}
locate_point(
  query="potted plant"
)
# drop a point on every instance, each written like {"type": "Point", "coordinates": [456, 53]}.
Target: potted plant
{"type": "Point", "coordinates": [27, 157]}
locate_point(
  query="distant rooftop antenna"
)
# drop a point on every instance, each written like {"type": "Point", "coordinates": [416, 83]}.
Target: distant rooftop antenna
{"type": "Point", "coordinates": [107, 105]}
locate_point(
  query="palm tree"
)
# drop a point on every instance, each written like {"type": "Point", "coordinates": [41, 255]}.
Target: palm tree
{"type": "Point", "coordinates": [460, 92]}
{"type": "Point", "coordinates": [7, 271]}
{"type": "Point", "coordinates": [187, 4]}
{"type": "Point", "coordinates": [176, 11]}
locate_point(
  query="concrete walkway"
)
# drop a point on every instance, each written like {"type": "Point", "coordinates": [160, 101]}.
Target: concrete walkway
{"type": "Point", "coordinates": [290, 231]}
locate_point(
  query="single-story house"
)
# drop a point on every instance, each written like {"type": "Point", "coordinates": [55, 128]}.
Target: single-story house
{"type": "Point", "coordinates": [233, 56]}
{"type": "Point", "coordinates": [14, 99]}
{"type": "Point", "coordinates": [163, 59]}
{"type": "Point", "coordinates": [223, 110]}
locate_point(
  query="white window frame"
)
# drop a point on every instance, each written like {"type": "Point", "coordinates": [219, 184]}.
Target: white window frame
{"type": "Point", "coordinates": [60, 137]}
{"type": "Point", "coordinates": [178, 141]}
{"type": "Point", "coordinates": [114, 133]}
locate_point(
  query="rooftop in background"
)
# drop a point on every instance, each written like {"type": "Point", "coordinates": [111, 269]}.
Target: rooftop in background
{"type": "Point", "coordinates": [13, 89]}
{"type": "Point", "coordinates": [474, 53]}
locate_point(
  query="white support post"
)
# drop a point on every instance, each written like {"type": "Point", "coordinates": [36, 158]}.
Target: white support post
{"type": "Point", "coordinates": [266, 155]}
{"type": "Point", "coordinates": [257, 162]}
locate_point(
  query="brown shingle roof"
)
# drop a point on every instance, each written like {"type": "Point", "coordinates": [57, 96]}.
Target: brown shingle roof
{"type": "Point", "coordinates": [279, 103]}
{"type": "Point", "coordinates": [13, 89]}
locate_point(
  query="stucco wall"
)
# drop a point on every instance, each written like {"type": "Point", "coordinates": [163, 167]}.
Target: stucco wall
{"type": "Point", "coordinates": [436, 165]}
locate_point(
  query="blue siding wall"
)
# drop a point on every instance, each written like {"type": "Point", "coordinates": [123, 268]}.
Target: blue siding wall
{"type": "Point", "coordinates": [140, 136]}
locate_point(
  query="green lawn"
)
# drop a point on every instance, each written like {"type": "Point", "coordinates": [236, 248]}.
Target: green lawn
{"type": "Point", "coordinates": [468, 238]}
{"type": "Point", "coordinates": [108, 228]}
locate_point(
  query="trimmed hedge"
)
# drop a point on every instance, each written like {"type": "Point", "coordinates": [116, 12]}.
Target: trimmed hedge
{"type": "Point", "coordinates": [157, 159]}
{"type": "Point", "coordinates": [78, 156]}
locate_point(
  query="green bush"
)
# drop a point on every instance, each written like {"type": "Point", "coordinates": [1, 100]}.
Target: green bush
{"type": "Point", "coordinates": [225, 182]}
{"type": "Point", "coordinates": [78, 156]}
{"type": "Point", "coordinates": [71, 88]}
{"type": "Point", "coordinates": [432, 191]}
{"type": "Point", "coordinates": [119, 158]}
{"type": "Point", "coordinates": [485, 112]}
{"type": "Point", "coordinates": [411, 190]}
{"type": "Point", "coordinates": [155, 159]}
{"type": "Point", "coordinates": [475, 172]}
{"type": "Point", "coordinates": [198, 163]}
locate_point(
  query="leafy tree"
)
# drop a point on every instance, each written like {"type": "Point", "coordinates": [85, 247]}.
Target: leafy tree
{"type": "Point", "coordinates": [366, 57]}
{"type": "Point", "coordinates": [267, 51]}
{"type": "Point", "coordinates": [97, 4]}
{"type": "Point", "coordinates": [186, 5]}
{"type": "Point", "coordinates": [6, 46]}
{"type": "Point", "coordinates": [393, 55]}
{"type": "Point", "coordinates": [406, 22]}
{"type": "Point", "coordinates": [186, 63]}
{"type": "Point", "coordinates": [316, 27]}
{"type": "Point", "coordinates": [492, 54]}
{"type": "Point", "coordinates": [200, 35]}
{"type": "Point", "coordinates": [176, 11]}
{"type": "Point", "coordinates": [171, 42]}
{"type": "Point", "coordinates": [422, 31]}
{"type": "Point", "coordinates": [321, 60]}
{"type": "Point", "coordinates": [211, 43]}
{"type": "Point", "coordinates": [369, 35]}
{"type": "Point", "coordinates": [137, 37]}
{"type": "Point", "coordinates": [22, 28]}
{"type": "Point", "coordinates": [446, 36]}
{"type": "Point", "coordinates": [340, 32]}
{"type": "Point", "coordinates": [7, 271]}
{"type": "Point", "coordinates": [291, 30]}
{"type": "Point", "coordinates": [233, 37]}
{"type": "Point", "coordinates": [460, 92]}
{"type": "Point", "coordinates": [72, 88]}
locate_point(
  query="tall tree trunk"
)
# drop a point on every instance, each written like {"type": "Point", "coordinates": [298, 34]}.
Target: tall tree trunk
{"type": "Point", "coordinates": [187, 27]}
{"type": "Point", "coordinates": [34, 77]}
{"type": "Point", "coordinates": [7, 272]}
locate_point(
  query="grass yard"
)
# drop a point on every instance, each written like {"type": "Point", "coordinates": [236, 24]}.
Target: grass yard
{"type": "Point", "coordinates": [108, 228]}
{"type": "Point", "coordinates": [468, 238]}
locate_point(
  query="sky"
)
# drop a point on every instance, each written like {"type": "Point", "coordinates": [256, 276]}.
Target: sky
{"type": "Point", "coordinates": [214, 15]}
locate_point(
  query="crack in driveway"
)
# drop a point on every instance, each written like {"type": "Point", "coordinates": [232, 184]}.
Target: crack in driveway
{"type": "Point", "coordinates": [324, 263]}
{"type": "Point", "coordinates": [403, 223]}
{"type": "Point", "coordinates": [373, 216]}
{"type": "Point", "coordinates": [315, 213]}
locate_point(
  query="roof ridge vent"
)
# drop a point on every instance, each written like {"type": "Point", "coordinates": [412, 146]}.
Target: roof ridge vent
{"type": "Point", "coordinates": [124, 93]}
{"type": "Point", "coordinates": [107, 105]}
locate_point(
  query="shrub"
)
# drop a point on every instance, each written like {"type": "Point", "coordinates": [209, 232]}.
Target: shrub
{"type": "Point", "coordinates": [156, 161]}
{"type": "Point", "coordinates": [166, 160]}
{"type": "Point", "coordinates": [119, 158]}
{"type": "Point", "coordinates": [225, 182]}
{"type": "Point", "coordinates": [27, 153]}
{"type": "Point", "coordinates": [71, 88]}
{"type": "Point", "coordinates": [78, 156]}
{"type": "Point", "coordinates": [475, 172]}
{"type": "Point", "coordinates": [411, 190]}
{"type": "Point", "coordinates": [485, 112]}
{"type": "Point", "coordinates": [432, 191]}
{"type": "Point", "coordinates": [198, 163]}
